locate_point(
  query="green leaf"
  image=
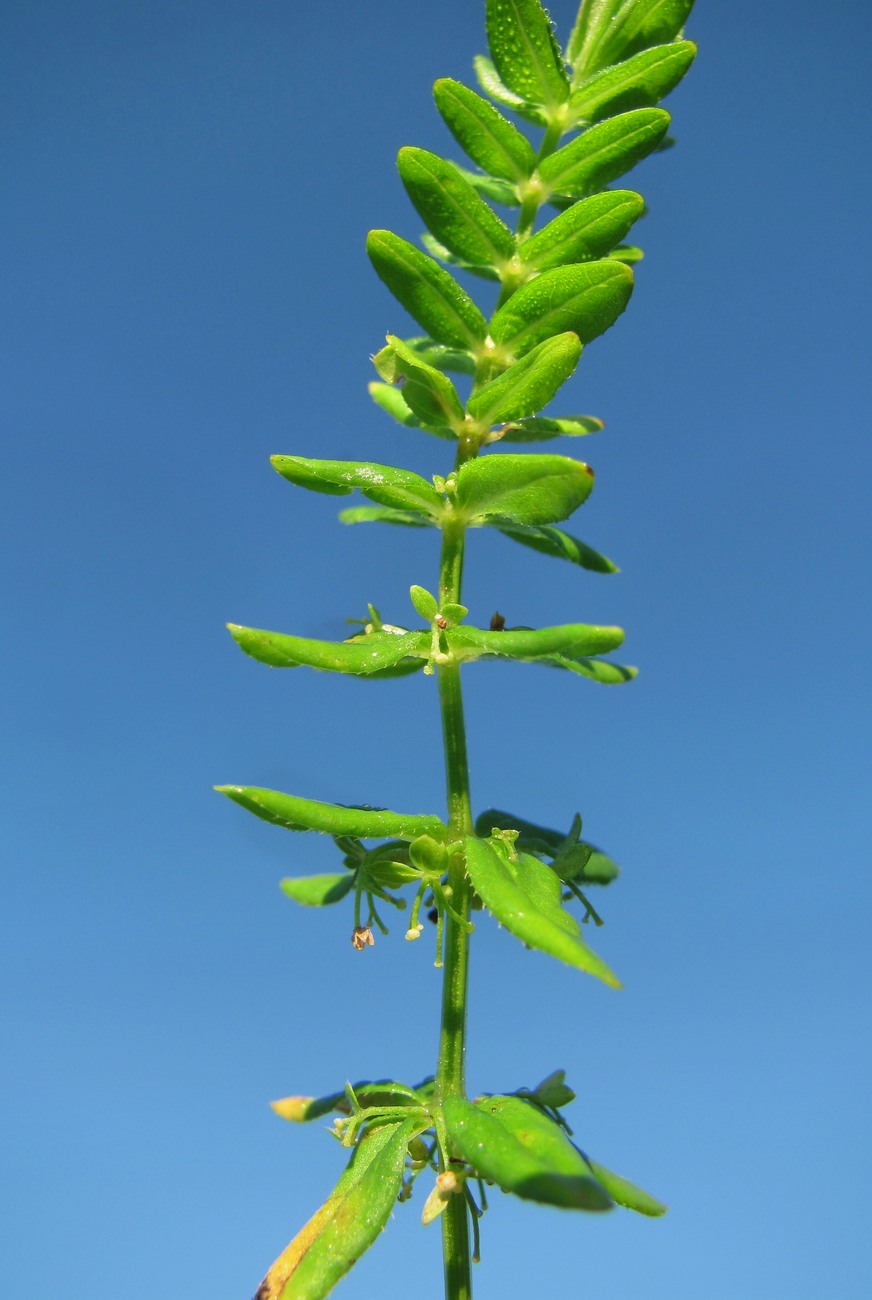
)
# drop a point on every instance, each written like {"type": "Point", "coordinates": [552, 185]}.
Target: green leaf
{"type": "Point", "coordinates": [553, 1091]}
{"type": "Point", "coordinates": [488, 79]}
{"type": "Point", "coordinates": [485, 272]}
{"type": "Point", "coordinates": [481, 130]}
{"type": "Point", "coordinates": [425, 602]}
{"type": "Point", "coordinates": [317, 891]}
{"type": "Point", "coordinates": [384, 1092]}
{"type": "Point", "coordinates": [593, 15]}
{"type": "Point", "coordinates": [349, 1221]}
{"type": "Point", "coordinates": [529, 384]}
{"type": "Point", "coordinates": [585, 299]}
{"type": "Point", "coordinates": [295, 814]}
{"type": "Point", "coordinates": [513, 1149]}
{"type": "Point", "coordinates": [542, 429]}
{"type": "Point", "coordinates": [428, 293]}
{"type": "Point", "coordinates": [522, 489]}
{"type": "Point", "coordinates": [428, 392]}
{"type": "Point", "coordinates": [361, 656]}
{"type": "Point", "coordinates": [525, 52]}
{"type": "Point", "coordinates": [639, 82]}
{"type": "Point", "coordinates": [604, 152]}
{"type": "Point", "coordinates": [384, 515]}
{"type": "Point", "coordinates": [458, 360]}
{"type": "Point", "coordinates": [598, 869]}
{"type": "Point", "coordinates": [545, 643]}
{"type": "Point", "coordinates": [598, 670]}
{"type": "Point", "coordinates": [553, 541]}
{"type": "Point", "coordinates": [452, 210]}
{"type": "Point", "coordinates": [525, 896]}
{"type": "Point", "coordinates": [491, 187]}
{"type": "Point", "coordinates": [588, 230]}
{"type": "Point", "coordinates": [385, 484]}
{"type": "Point", "coordinates": [625, 1193]}
{"type": "Point", "coordinates": [627, 253]}
{"type": "Point", "coordinates": [621, 29]}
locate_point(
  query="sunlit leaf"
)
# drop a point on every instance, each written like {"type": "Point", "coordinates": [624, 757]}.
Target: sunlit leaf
{"type": "Point", "coordinates": [616, 30]}
{"type": "Point", "coordinates": [543, 428]}
{"type": "Point", "coordinates": [362, 655]}
{"type": "Point", "coordinates": [599, 869]}
{"type": "Point", "coordinates": [524, 489]}
{"type": "Point", "coordinates": [452, 210]}
{"type": "Point", "coordinates": [588, 230]}
{"type": "Point", "coordinates": [639, 82]}
{"type": "Point", "coordinates": [483, 270]}
{"type": "Point", "coordinates": [384, 484]}
{"type": "Point", "coordinates": [428, 292]}
{"type": "Point", "coordinates": [525, 52]}
{"type": "Point", "coordinates": [510, 1149]}
{"type": "Point", "coordinates": [571, 640]}
{"type": "Point", "coordinates": [349, 1221]}
{"type": "Point", "coordinates": [384, 515]}
{"type": "Point", "coordinates": [428, 392]}
{"type": "Point", "coordinates": [296, 814]}
{"type": "Point", "coordinates": [624, 1192]}
{"type": "Point", "coordinates": [529, 384]}
{"type": "Point", "coordinates": [604, 152]}
{"type": "Point", "coordinates": [553, 541]}
{"type": "Point", "coordinates": [585, 299]}
{"type": "Point", "coordinates": [525, 896]}
{"type": "Point", "coordinates": [489, 80]}
{"type": "Point", "coordinates": [482, 131]}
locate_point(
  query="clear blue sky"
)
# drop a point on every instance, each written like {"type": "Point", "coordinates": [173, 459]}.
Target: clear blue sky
{"type": "Point", "coordinates": [187, 187]}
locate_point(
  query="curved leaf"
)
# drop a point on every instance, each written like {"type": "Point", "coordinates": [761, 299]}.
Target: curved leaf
{"type": "Point", "coordinates": [452, 210]}
{"type": "Point", "coordinates": [384, 1092]}
{"type": "Point", "coordinates": [525, 52]}
{"type": "Point", "coordinates": [525, 896]}
{"type": "Point", "coordinates": [384, 515]}
{"type": "Point", "coordinates": [349, 1221]}
{"type": "Point", "coordinates": [428, 392]}
{"type": "Point", "coordinates": [543, 428]}
{"type": "Point", "coordinates": [585, 299]}
{"type": "Point", "coordinates": [511, 1150]}
{"type": "Point", "coordinates": [361, 656]}
{"type": "Point", "coordinates": [571, 640]}
{"type": "Point", "coordinates": [621, 29]}
{"type": "Point", "coordinates": [489, 80]}
{"type": "Point", "coordinates": [553, 541]}
{"type": "Point", "coordinates": [599, 869]}
{"type": "Point", "coordinates": [598, 670]}
{"type": "Point", "coordinates": [589, 229]}
{"type": "Point", "coordinates": [639, 82]}
{"type": "Point", "coordinates": [531, 489]}
{"type": "Point", "coordinates": [482, 270]}
{"type": "Point", "coordinates": [295, 814]}
{"type": "Point", "coordinates": [385, 484]}
{"type": "Point", "coordinates": [624, 1192]}
{"type": "Point", "coordinates": [529, 384]}
{"type": "Point", "coordinates": [482, 131]}
{"type": "Point", "coordinates": [317, 891]}
{"type": "Point", "coordinates": [430, 294]}
{"type": "Point", "coordinates": [604, 152]}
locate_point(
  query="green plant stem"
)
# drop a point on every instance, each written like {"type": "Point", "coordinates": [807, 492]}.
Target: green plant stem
{"type": "Point", "coordinates": [450, 1078]}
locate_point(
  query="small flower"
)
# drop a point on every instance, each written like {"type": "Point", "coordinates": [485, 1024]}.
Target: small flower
{"type": "Point", "coordinates": [361, 937]}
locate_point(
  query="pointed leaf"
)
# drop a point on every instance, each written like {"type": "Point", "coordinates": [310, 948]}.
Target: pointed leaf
{"type": "Point", "coordinates": [384, 1092]}
{"type": "Point", "coordinates": [632, 25]}
{"type": "Point", "coordinates": [593, 15]}
{"type": "Point", "coordinates": [523, 489]}
{"type": "Point", "coordinates": [488, 79]}
{"type": "Point", "coordinates": [452, 210]}
{"type": "Point", "coordinates": [553, 541]}
{"type": "Point", "coordinates": [362, 656]}
{"type": "Point", "coordinates": [588, 230]}
{"type": "Point", "coordinates": [571, 640]}
{"type": "Point", "coordinates": [459, 361]}
{"type": "Point", "coordinates": [627, 253]}
{"type": "Point", "coordinates": [428, 392]}
{"type": "Point", "coordinates": [317, 891]}
{"type": "Point", "coordinates": [430, 294]}
{"type": "Point", "coordinates": [349, 1221]}
{"type": "Point", "coordinates": [391, 400]}
{"type": "Point", "coordinates": [295, 814]}
{"type": "Point", "coordinates": [624, 1192]}
{"type": "Point", "coordinates": [385, 484]}
{"type": "Point", "coordinates": [585, 299]}
{"type": "Point", "coordinates": [598, 670]}
{"type": "Point", "coordinates": [604, 152]}
{"type": "Point", "coordinates": [524, 51]}
{"type": "Point", "coordinates": [525, 896]}
{"type": "Point", "coordinates": [529, 384]}
{"type": "Point", "coordinates": [481, 130]}
{"type": "Point", "coordinates": [491, 187]}
{"type": "Point", "coordinates": [547, 1169]}
{"type": "Point", "coordinates": [384, 515]}
{"type": "Point", "coordinates": [639, 82]}
{"type": "Point", "coordinates": [543, 428]}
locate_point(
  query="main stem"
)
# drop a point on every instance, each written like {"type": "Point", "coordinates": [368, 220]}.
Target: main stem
{"type": "Point", "coordinates": [450, 1079]}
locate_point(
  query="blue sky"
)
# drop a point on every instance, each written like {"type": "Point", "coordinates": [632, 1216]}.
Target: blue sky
{"type": "Point", "coordinates": [187, 191]}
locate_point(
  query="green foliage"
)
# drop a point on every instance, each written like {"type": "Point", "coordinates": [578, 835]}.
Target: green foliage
{"type": "Point", "coordinates": [583, 118]}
